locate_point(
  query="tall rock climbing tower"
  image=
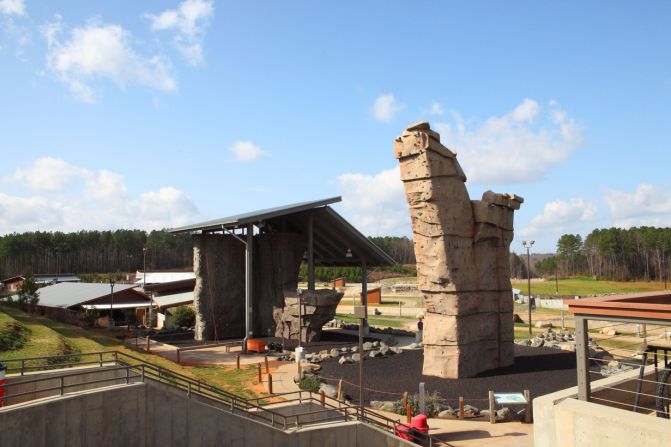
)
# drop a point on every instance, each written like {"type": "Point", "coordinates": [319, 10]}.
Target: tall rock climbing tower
{"type": "Point", "coordinates": [462, 248]}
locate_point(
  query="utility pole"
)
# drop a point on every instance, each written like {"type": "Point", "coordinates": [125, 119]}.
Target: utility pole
{"type": "Point", "coordinates": [112, 280]}
{"type": "Point", "coordinates": [556, 276]}
{"type": "Point", "coordinates": [527, 245]}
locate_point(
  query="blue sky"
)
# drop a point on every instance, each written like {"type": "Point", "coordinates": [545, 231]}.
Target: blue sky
{"type": "Point", "coordinates": [154, 114]}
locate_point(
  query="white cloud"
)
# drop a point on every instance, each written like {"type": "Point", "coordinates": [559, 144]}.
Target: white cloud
{"type": "Point", "coordinates": [436, 109]}
{"type": "Point", "coordinates": [375, 204]}
{"type": "Point", "coordinates": [246, 151]}
{"type": "Point", "coordinates": [189, 22]}
{"type": "Point", "coordinates": [649, 204]}
{"type": "Point", "coordinates": [10, 7]}
{"type": "Point", "coordinates": [385, 107]}
{"type": "Point", "coordinates": [97, 51]}
{"type": "Point", "coordinates": [516, 147]}
{"type": "Point", "coordinates": [71, 198]}
{"type": "Point", "coordinates": [49, 174]}
{"type": "Point", "coordinates": [560, 216]}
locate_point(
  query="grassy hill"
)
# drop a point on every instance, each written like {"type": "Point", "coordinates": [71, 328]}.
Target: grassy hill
{"type": "Point", "coordinates": [40, 336]}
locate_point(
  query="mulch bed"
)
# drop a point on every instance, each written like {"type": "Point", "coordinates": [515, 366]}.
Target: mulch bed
{"type": "Point", "coordinates": [540, 370]}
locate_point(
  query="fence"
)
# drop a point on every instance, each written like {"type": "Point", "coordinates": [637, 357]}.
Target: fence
{"type": "Point", "coordinates": [321, 409]}
{"type": "Point", "coordinates": [634, 357]}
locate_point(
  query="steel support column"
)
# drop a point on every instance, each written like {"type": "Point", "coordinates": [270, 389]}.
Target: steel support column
{"type": "Point", "coordinates": [364, 295]}
{"type": "Point", "coordinates": [582, 357]}
{"type": "Point", "coordinates": [249, 252]}
{"type": "Point", "coordinates": [311, 253]}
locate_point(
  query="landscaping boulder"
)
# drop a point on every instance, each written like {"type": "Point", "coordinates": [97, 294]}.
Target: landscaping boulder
{"type": "Point", "coordinates": [470, 410]}
{"type": "Point", "coordinates": [329, 390]}
{"type": "Point", "coordinates": [505, 414]}
{"type": "Point", "coordinates": [344, 360]}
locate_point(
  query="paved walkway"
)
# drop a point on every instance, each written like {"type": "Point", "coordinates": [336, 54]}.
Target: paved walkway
{"type": "Point", "coordinates": [477, 433]}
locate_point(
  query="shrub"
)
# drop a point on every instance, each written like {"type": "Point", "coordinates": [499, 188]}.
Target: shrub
{"type": "Point", "coordinates": [310, 383]}
{"type": "Point", "coordinates": [64, 348]}
{"type": "Point", "coordinates": [433, 403]}
{"type": "Point", "coordinates": [184, 316]}
{"type": "Point", "coordinates": [13, 336]}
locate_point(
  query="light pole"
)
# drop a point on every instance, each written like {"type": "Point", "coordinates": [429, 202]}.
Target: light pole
{"type": "Point", "coordinates": [144, 284]}
{"type": "Point", "coordinates": [527, 245]}
{"type": "Point", "coordinates": [112, 279]}
{"type": "Point", "coordinates": [144, 267]}
{"type": "Point", "coordinates": [556, 276]}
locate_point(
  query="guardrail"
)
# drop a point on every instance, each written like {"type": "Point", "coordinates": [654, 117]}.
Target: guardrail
{"type": "Point", "coordinates": [138, 370]}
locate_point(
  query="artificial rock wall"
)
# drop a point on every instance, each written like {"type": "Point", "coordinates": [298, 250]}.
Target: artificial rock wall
{"type": "Point", "coordinates": [219, 295]}
{"type": "Point", "coordinates": [462, 251]}
{"type": "Point", "coordinates": [318, 308]}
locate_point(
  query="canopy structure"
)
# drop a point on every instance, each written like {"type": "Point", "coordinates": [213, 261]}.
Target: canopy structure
{"type": "Point", "coordinates": [335, 241]}
{"type": "Point", "coordinates": [331, 240]}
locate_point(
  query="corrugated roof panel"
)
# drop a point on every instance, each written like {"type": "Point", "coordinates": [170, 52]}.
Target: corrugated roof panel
{"type": "Point", "coordinates": [255, 216]}
{"type": "Point", "coordinates": [68, 294]}
{"type": "Point", "coordinates": [173, 299]}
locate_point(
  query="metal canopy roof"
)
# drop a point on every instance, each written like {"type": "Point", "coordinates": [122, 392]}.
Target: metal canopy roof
{"type": "Point", "coordinates": [239, 220]}
{"type": "Point", "coordinates": [334, 237]}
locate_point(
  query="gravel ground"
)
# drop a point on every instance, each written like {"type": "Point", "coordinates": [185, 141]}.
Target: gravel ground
{"type": "Point", "coordinates": [540, 370]}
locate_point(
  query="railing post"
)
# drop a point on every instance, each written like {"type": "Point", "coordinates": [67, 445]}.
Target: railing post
{"type": "Point", "coordinates": [61, 385]}
{"type": "Point", "coordinates": [127, 375]}
{"type": "Point", "coordinates": [582, 357]}
{"type": "Point", "coordinates": [142, 373]}
{"type": "Point", "coordinates": [116, 357]}
{"type": "Point", "coordinates": [492, 408]}
{"type": "Point", "coordinates": [100, 355]}
{"type": "Point", "coordinates": [188, 391]}
{"type": "Point", "coordinates": [23, 365]}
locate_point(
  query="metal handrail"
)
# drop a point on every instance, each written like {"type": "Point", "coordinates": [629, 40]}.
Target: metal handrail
{"type": "Point", "coordinates": [230, 402]}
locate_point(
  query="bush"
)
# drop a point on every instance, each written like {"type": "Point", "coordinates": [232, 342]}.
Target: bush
{"type": "Point", "coordinates": [13, 336]}
{"type": "Point", "coordinates": [434, 404]}
{"type": "Point", "coordinates": [184, 316]}
{"type": "Point", "coordinates": [65, 348]}
{"type": "Point", "coordinates": [310, 383]}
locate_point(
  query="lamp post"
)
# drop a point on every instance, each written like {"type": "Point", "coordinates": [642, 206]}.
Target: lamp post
{"type": "Point", "coordinates": [112, 280]}
{"type": "Point", "coordinates": [527, 245]}
{"type": "Point", "coordinates": [144, 267]}
{"type": "Point", "coordinates": [556, 276]}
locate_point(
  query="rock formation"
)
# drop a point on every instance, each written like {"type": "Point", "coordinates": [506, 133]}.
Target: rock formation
{"type": "Point", "coordinates": [462, 251]}
{"type": "Point", "coordinates": [319, 307]}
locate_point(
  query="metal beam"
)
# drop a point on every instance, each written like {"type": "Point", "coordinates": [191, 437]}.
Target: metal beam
{"type": "Point", "coordinates": [249, 253]}
{"type": "Point", "coordinates": [631, 320]}
{"type": "Point", "coordinates": [311, 253]}
{"type": "Point", "coordinates": [364, 297]}
{"type": "Point", "coordinates": [582, 357]}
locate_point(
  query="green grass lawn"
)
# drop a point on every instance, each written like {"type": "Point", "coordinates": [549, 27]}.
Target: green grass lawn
{"type": "Point", "coordinates": [587, 286]}
{"type": "Point", "coordinates": [45, 336]}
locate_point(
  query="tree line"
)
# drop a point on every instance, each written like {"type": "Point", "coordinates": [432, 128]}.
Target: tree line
{"type": "Point", "coordinates": [88, 252]}
{"type": "Point", "coordinates": [92, 251]}
{"type": "Point", "coordinates": [638, 253]}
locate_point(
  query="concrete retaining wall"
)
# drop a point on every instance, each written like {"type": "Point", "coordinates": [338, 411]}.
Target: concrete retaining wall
{"type": "Point", "coordinates": [562, 420]}
{"type": "Point", "coordinates": [34, 389]}
{"type": "Point", "coordinates": [149, 414]}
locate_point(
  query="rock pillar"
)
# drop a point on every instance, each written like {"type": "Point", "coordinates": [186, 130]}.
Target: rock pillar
{"type": "Point", "coordinates": [462, 251]}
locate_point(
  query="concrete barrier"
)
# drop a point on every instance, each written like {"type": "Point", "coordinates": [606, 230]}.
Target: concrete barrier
{"type": "Point", "coordinates": [562, 420]}
{"type": "Point", "coordinates": [151, 414]}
